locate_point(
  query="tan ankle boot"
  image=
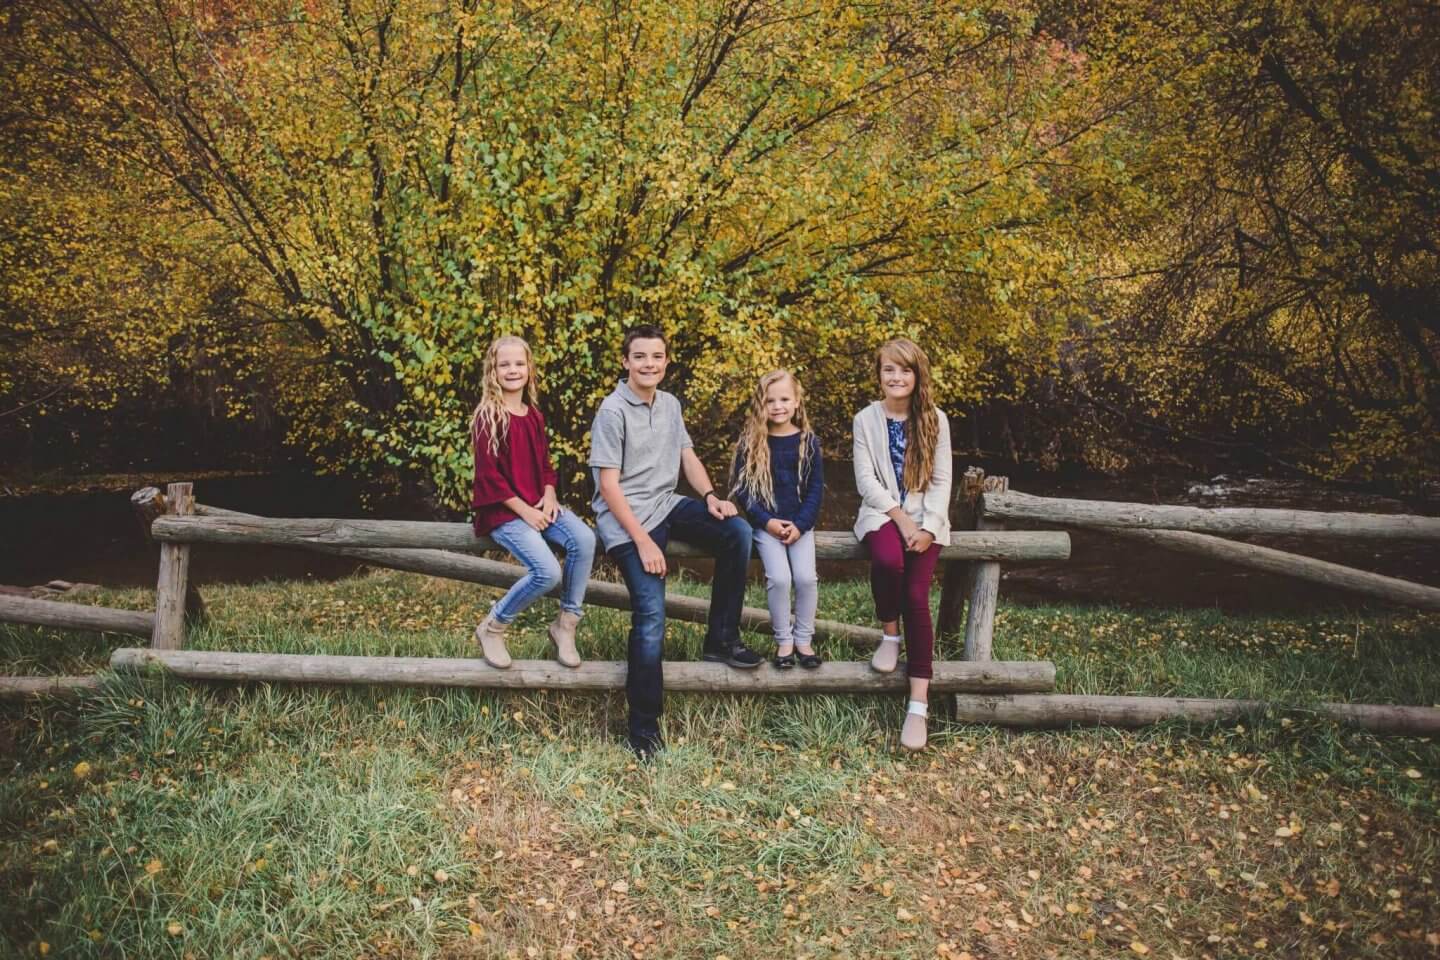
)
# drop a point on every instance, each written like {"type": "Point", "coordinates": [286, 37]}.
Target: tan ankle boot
{"type": "Point", "coordinates": [491, 637]}
{"type": "Point", "coordinates": [562, 635]}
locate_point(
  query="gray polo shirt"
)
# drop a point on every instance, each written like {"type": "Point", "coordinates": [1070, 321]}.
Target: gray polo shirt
{"type": "Point", "coordinates": [644, 440]}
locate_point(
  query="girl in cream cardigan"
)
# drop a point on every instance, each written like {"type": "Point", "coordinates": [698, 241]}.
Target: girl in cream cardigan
{"type": "Point", "coordinates": [902, 472]}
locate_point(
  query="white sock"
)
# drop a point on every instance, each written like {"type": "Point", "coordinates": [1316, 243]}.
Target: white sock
{"type": "Point", "coordinates": [891, 639]}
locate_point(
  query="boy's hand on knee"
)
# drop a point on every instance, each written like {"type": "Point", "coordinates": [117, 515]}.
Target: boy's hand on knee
{"type": "Point", "coordinates": [652, 558]}
{"type": "Point", "coordinates": [721, 509]}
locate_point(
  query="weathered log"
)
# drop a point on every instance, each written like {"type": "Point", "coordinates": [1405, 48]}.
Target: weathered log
{"type": "Point", "coordinates": [25, 688]}
{"type": "Point", "coordinates": [680, 676]}
{"type": "Point", "coordinates": [174, 578]}
{"type": "Point", "coordinates": [1009, 546]}
{"type": "Point", "coordinates": [494, 573]}
{"type": "Point", "coordinates": [1063, 710]}
{"type": "Point", "coordinates": [75, 616]}
{"type": "Point", "coordinates": [984, 587]}
{"type": "Point", "coordinates": [1270, 560]}
{"type": "Point", "coordinates": [1232, 521]}
{"type": "Point", "coordinates": [955, 574]}
{"type": "Point", "coordinates": [149, 503]}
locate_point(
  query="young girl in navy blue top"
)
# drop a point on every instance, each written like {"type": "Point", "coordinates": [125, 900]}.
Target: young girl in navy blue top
{"type": "Point", "coordinates": [778, 480]}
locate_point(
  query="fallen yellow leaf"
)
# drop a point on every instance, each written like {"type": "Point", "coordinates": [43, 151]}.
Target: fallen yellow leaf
{"type": "Point", "coordinates": [1138, 947]}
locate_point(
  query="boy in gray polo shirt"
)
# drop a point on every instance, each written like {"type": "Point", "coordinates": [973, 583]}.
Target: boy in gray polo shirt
{"type": "Point", "coordinates": [638, 447]}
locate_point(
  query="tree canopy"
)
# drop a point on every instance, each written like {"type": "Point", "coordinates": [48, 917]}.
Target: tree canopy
{"type": "Point", "coordinates": [1118, 228]}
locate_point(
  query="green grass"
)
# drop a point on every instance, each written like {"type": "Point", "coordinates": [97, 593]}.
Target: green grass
{"type": "Point", "coordinates": [167, 819]}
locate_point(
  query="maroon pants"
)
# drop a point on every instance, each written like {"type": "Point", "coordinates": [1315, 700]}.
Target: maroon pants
{"type": "Point", "coordinates": [900, 581]}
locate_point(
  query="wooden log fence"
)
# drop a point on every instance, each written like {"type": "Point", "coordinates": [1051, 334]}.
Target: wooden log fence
{"type": "Point", "coordinates": [601, 593]}
{"type": "Point", "coordinates": [1146, 523]}
{"type": "Point", "coordinates": [680, 676]}
{"type": "Point", "coordinates": [1010, 546]}
{"type": "Point", "coordinates": [985, 691]}
{"type": "Point", "coordinates": [1232, 521]}
{"type": "Point", "coordinates": [1393, 589]}
{"type": "Point", "coordinates": [28, 688]}
{"type": "Point", "coordinates": [75, 616]}
{"type": "Point", "coordinates": [1052, 710]}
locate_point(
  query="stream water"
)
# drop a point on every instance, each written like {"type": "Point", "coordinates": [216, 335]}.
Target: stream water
{"type": "Point", "coordinates": [93, 537]}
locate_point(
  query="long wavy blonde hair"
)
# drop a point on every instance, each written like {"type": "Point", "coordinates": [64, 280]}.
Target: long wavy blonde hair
{"type": "Point", "coordinates": [922, 427]}
{"type": "Point", "coordinates": [490, 415]}
{"type": "Point", "coordinates": [750, 467]}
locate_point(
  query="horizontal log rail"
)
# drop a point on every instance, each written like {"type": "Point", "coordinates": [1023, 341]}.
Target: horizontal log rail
{"type": "Point", "coordinates": [495, 573]}
{"type": "Point", "coordinates": [26, 688]}
{"type": "Point", "coordinates": [214, 527]}
{"type": "Point", "coordinates": [1403, 592]}
{"type": "Point", "coordinates": [1050, 710]}
{"type": "Point", "coordinates": [680, 676]}
{"type": "Point", "coordinates": [75, 616]}
{"type": "Point", "coordinates": [1231, 521]}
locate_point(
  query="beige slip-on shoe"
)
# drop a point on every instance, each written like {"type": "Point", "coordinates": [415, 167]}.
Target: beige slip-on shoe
{"type": "Point", "coordinates": [913, 734]}
{"type": "Point", "coordinates": [887, 655]}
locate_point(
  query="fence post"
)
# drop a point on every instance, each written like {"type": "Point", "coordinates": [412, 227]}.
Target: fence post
{"type": "Point", "coordinates": [170, 589]}
{"type": "Point", "coordinates": [149, 503]}
{"type": "Point", "coordinates": [955, 575]}
{"type": "Point", "coordinates": [985, 587]}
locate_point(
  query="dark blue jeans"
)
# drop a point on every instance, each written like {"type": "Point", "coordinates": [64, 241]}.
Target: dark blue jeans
{"type": "Point", "coordinates": [728, 541]}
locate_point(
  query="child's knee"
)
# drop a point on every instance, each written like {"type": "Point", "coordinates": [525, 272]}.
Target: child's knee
{"type": "Point", "coordinates": [777, 581]}
{"type": "Point", "coordinates": [888, 566]}
{"type": "Point", "coordinates": [583, 540]}
{"type": "Point", "coordinates": [807, 582]}
{"type": "Point", "coordinates": [547, 573]}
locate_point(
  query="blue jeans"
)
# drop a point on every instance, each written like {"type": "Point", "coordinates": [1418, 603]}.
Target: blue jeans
{"type": "Point", "coordinates": [728, 541]}
{"type": "Point", "coordinates": [543, 572]}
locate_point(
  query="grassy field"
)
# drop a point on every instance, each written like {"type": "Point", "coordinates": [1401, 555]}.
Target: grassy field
{"type": "Point", "coordinates": [161, 819]}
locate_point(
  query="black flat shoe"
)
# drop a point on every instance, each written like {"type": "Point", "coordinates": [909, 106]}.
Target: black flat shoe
{"type": "Point", "coordinates": [784, 661]}
{"type": "Point", "coordinates": [646, 748]}
{"type": "Point", "coordinates": [809, 660]}
{"type": "Point", "coordinates": [739, 656]}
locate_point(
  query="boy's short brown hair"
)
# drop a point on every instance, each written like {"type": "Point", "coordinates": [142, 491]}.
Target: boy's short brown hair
{"type": "Point", "coordinates": [643, 331]}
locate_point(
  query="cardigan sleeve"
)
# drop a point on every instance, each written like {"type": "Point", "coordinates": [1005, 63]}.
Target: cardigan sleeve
{"type": "Point", "coordinates": [935, 506]}
{"type": "Point", "coordinates": [491, 486]}
{"type": "Point", "coordinates": [872, 490]}
{"type": "Point", "coordinates": [809, 512]}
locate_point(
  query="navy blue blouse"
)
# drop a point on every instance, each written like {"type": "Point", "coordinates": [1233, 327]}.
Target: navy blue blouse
{"type": "Point", "coordinates": [897, 452]}
{"type": "Point", "coordinates": [797, 498]}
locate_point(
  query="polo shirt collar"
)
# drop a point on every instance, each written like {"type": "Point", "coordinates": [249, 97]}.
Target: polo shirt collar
{"type": "Point", "coordinates": [629, 395]}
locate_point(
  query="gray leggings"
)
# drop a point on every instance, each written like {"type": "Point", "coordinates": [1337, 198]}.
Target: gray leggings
{"type": "Point", "coordinates": [786, 565]}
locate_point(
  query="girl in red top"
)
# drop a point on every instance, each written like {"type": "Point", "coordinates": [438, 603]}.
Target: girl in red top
{"type": "Point", "coordinates": [515, 504]}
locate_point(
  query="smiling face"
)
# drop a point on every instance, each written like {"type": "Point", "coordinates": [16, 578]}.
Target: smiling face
{"type": "Point", "coordinates": [512, 368]}
{"type": "Point", "coordinates": [897, 381]}
{"type": "Point", "coordinates": [780, 403]}
{"type": "Point", "coordinates": [645, 362]}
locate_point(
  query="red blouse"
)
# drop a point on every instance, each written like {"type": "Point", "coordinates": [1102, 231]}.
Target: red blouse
{"type": "Point", "coordinates": [522, 469]}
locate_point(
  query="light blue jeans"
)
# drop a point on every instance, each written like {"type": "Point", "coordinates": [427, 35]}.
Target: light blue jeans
{"type": "Point", "coordinates": [543, 571]}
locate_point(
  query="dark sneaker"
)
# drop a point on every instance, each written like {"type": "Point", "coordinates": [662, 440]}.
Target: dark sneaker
{"type": "Point", "coordinates": [646, 747]}
{"type": "Point", "coordinates": [738, 656]}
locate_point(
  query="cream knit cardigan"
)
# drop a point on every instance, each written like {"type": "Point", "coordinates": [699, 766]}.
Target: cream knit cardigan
{"type": "Point", "coordinates": [875, 479]}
